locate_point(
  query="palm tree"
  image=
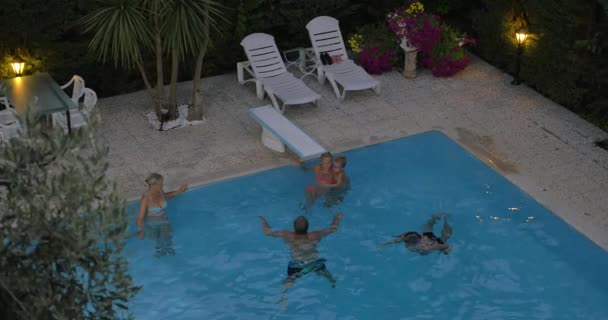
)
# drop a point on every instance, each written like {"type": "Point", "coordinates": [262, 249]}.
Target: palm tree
{"type": "Point", "coordinates": [124, 30]}
{"type": "Point", "coordinates": [189, 24]}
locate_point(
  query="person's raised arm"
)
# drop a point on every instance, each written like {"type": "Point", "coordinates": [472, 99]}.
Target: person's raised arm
{"type": "Point", "coordinates": [268, 230]}
{"type": "Point", "coordinates": [397, 240]}
{"type": "Point", "coordinates": [299, 163]}
{"type": "Point", "coordinates": [339, 182]}
{"type": "Point", "coordinates": [179, 190]}
{"type": "Point", "coordinates": [332, 228]}
{"type": "Point", "coordinates": [143, 207]}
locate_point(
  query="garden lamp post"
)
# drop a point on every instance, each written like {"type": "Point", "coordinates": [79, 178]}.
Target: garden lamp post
{"type": "Point", "coordinates": [521, 37]}
{"type": "Point", "coordinates": [18, 65]}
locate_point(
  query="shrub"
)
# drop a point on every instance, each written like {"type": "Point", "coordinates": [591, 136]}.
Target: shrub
{"type": "Point", "coordinates": [448, 57]}
{"type": "Point", "coordinates": [423, 31]}
{"type": "Point", "coordinates": [62, 226]}
{"type": "Point", "coordinates": [376, 48]}
{"type": "Point", "coordinates": [565, 55]}
{"type": "Point", "coordinates": [375, 61]}
{"type": "Point", "coordinates": [440, 44]}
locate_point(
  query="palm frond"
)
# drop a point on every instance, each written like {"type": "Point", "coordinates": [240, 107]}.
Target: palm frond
{"type": "Point", "coordinates": [120, 31]}
{"type": "Point", "coordinates": [188, 24]}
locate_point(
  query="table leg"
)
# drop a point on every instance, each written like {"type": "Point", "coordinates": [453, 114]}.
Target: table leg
{"type": "Point", "coordinates": [67, 114]}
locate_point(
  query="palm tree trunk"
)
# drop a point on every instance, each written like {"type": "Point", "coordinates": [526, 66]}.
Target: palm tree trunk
{"type": "Point", "coordinates": [144, 76]}
{"type": "Point", "coordinates": [173, 84]}
{"type": "Point", "coordinates": [159, 67]}
{"type": "Point", "coordinates": [153, 94]}
{"type": "Point", "coordinates": [195, 111]}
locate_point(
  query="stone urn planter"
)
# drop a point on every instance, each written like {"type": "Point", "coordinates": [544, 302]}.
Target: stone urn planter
{"type": "Point", "coordinates": [411, 53]}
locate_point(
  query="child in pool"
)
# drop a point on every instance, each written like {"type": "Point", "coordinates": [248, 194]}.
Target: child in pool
{"type": "Point", "coordinates": [340, 180]}
{"type": "Point", "coordinates": [340, 186]}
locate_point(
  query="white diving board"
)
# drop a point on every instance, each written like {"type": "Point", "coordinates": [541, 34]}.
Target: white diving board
{"type": "Point", "coordinates": [278, 131]}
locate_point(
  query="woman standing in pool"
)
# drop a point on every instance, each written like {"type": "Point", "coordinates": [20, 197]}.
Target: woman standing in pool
{"type": "Point", "coordinates": [152, 214]}
{"type": "Point", "coordinates": [323, 174]}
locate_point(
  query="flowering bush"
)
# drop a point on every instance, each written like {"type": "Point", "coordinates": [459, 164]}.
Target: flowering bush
{"type": "Point", "coordinates": [448, 57]}
{"type": "Point", "coordinates": [440, 45]}
{"type": "Point", "coordinates": [375, 61]}
{"type": "Point", "coordinates": [397, 19]}
{"type": "Point", "coordinates": [423, 31]}
{"type": "Point", "coordinates": [375, 46]}
{"type": "Point", "coordinates": [414, 9]}
{"type": "Point", "coordinates": [355, 42]}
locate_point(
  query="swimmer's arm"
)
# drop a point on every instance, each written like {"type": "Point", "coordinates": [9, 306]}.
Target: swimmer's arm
{"type": "Point", "coordinates": [327, 185]}
{"type": "Point", "coordinates": [179, 190]}
{"type": "Point", "coordinates": [143, 206]}
{"type": "Point", "coordinates": [332, 228]}
{"type": "Point", "coordinates": [390, 242]}
{"type": "Point", "coordinates": [299, 163]}
{"type": "Point", "coordinates": [269, 232]}
{"type": "Point", "coordinates": [338, 183]}
{"type": "Point", "coordinates": [443, 248]}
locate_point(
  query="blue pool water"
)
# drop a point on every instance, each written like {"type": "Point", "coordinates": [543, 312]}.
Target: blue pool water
{"type": "Point", "coordinates": [512, 258]}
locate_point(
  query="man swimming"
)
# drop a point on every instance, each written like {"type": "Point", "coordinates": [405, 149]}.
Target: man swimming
{"type": "Point", "coordinates": [428, 241]}
{"type": "Point", "coordinates": [303, 247]}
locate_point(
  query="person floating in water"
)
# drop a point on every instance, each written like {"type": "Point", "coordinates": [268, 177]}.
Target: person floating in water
{"type": "Point", "coordinates": [427, 242]}
{"type": "Point", "coordinates": [304, 253]}
{"type": "Point", "coordinates": [152, 215]}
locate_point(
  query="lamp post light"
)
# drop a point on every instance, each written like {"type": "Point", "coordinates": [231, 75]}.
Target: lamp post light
{"type": "Point", "coordinates": [521, 37]}
{"type": "Point", "coordinates": [18, 65]}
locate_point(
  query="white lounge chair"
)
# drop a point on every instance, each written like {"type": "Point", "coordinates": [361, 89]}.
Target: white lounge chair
{"type": "Point", "coordinates": [270, 73]}
{"type": "Point", "coordinates": [78, 118]}
{"type": "Point", "coordinates": [78, 89]}
{"type": "Point", "coordinates": [325, 36]}
{"type": "Point", "coordinates": [278, 131]}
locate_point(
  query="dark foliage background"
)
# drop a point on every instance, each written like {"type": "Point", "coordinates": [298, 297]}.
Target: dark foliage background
{"type": "Point", "coordinates": [566, 59]}
{"type": "Point", "coordinates": [566, 56]}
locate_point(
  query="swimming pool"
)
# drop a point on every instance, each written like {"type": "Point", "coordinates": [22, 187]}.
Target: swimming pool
{"type": "Point", "coordinates": [512, 258]}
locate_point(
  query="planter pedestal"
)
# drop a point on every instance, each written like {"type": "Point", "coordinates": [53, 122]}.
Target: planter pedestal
{"type": "Point", "coordinates": [409, 67]}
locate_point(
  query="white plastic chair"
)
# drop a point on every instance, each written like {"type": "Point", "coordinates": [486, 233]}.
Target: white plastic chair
{"type": "Point", "coordinates": [78, 89]}
{"type": "Point", "coordinates": [269, 71]}
{"type": "Point", "coordinates": [4, 101]}
{"type": "Point", "coordinates": [325, 36]}
{"type": "Point", "coordinates": [9, 123]}
{"type": "Point", "coordinates": [78, 118]}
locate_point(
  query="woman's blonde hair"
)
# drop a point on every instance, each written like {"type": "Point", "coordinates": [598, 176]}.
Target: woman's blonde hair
{"type": "Point", "coordinates": [154, 178]}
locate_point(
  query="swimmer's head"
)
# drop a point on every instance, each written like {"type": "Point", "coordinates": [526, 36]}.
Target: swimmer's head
{"type": "Point", "coordinates": [300, 225]}
{"type": "Point", "coordinates": [340, 162]}
{"type": "Point", "coordinates": [410, 238]}
{"type": "Point", "coordinates": [154, 179]}
{"type": "Point", "coordinates": [326, 160]}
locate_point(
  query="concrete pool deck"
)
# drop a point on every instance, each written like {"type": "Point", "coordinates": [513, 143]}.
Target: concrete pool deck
{"type": "Point", "coordinates": [538, 145]}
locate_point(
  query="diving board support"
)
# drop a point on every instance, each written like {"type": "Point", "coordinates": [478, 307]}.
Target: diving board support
{"type": "Point", "coordinates": [271, 141]}
{"type": "Point", "coordinates": [278, 131]}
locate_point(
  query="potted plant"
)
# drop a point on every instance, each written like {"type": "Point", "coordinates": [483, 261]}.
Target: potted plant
{"type": "Point", "coordinates": [440, 45]}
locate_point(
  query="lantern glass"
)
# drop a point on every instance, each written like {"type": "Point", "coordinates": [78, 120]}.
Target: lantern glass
{"type": "Point", "coordinates": [521, 37]}
{"type": "Point", "coordinates": [18, 67]}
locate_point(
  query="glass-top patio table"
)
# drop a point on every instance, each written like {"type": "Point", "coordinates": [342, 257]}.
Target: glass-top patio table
{"type": "Point", "coordinates": [40, 93]}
